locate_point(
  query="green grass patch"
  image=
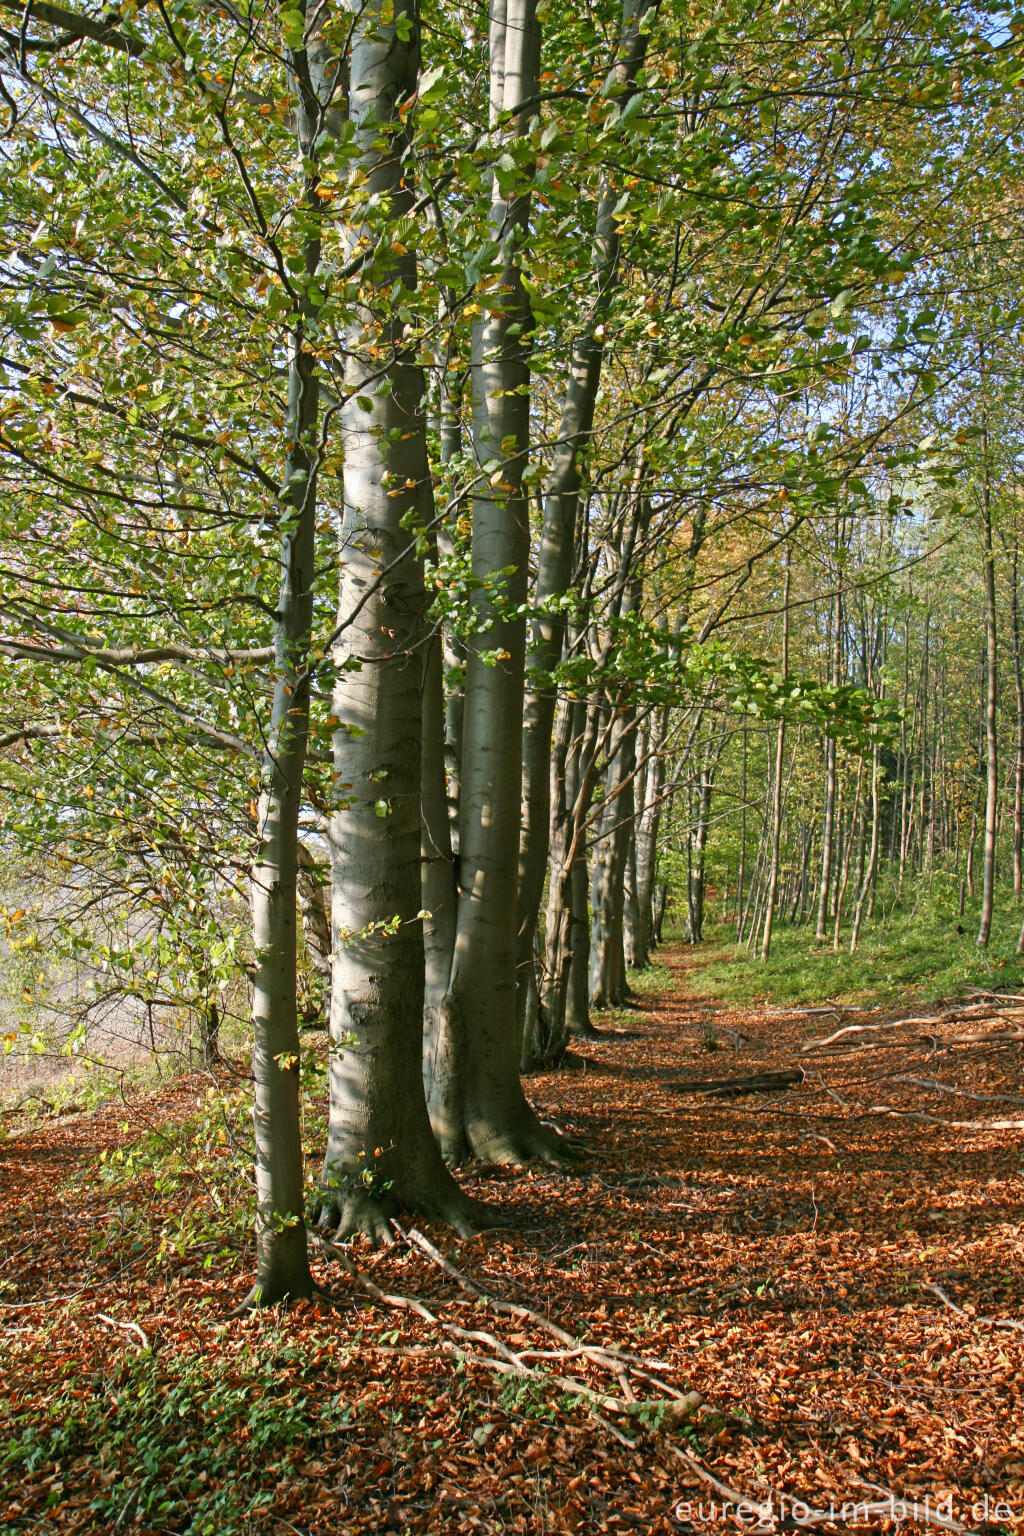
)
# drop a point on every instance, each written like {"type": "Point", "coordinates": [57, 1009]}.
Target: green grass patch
{"type": "Point", "coordinates": [174, 1443]}
{"type": "Point", "coordinates": [913, 956]}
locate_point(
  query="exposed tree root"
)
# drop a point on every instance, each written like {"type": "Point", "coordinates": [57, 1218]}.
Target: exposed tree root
{"type": "Point", "coordinates": [530, 1140]}
{"type": "Point", "coordinates": [370, 1212]}
{"type": "Point", "coordinates": [259, 1297]}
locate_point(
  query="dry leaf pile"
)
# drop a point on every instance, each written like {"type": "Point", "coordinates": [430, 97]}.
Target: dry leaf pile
{"type": "Point", "coordinates": [747, 1309]}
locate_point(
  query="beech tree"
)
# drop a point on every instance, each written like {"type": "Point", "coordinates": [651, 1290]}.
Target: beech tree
{"type": "Point", "coordinates": [413, 459]}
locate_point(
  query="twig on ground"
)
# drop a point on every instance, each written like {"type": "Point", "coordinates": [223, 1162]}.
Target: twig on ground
{"type": "Point", "coordinates": [599, 1354]}
{"type": "Point", "coordinates": [864, 1029]}
{"type": "Point", "coordinates": [672, 1405]}
{"type": "Point", "coordinates": [963, 1093]}
{"type": "Point", "coordinates": [953, 1125]}
{"type": "Point", "coordinates": [994, 1322]}
{"type": "Point", "coordinates": [129, 1327]}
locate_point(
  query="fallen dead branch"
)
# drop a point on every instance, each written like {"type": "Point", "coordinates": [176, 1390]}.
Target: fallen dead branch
{"type": "Point", "coordinates": [864, 1029]}
{"type": "Point", "coordinates": [128, 1327]}
{"type": "Point", "coordinates": [670, 1408]}
{"type": "Point", "coordinates": [934, 1086]}
{"type": "Point", "coordinates": [734, 1087]}
{"type": "Point", "coordinates": [1007, 1037]}
{"type": "Point", "coordinates": [805, 1013]}
{"type": "Point", "coordinates": [954, 1125]}
{"type": "Point", "coordinates": [922, 1020]}
{"type": "Point", "coordinates": [600, 1354]}
{"type": "Point", "coordinates": [737, 1035]}
{"type": "Point", "coordinates": [993, 1322]}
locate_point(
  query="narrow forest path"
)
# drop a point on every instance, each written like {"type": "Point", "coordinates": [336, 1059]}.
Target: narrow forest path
{"type": "Point", "coordinates": [798, 1257]}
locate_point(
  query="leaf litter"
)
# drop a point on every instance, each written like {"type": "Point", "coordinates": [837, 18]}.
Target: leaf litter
{"type": "Point", "coordinates": [795, 1308]}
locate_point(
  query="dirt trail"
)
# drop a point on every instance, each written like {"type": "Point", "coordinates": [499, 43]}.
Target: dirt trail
{"type": "Point", "coordinates": [776, 1250]}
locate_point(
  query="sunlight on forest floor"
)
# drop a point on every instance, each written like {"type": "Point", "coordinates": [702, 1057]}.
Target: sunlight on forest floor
{"type": "Point", "coordinates": [913, 956]}
{"type": "Point", "coordinates": [836, 1268]}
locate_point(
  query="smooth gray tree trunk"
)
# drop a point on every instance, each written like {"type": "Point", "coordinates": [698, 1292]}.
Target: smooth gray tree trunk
{"type": "Point", "coordinates": [496, 1121]}
{"type": "Point", "coordinates": [561, 506]}
{"type": "Point", "coordinates": [991, 706]}
{"type": "Point", "coordinates": [381, 1152]}
{"type": "Point", "coordinates": [282, 1260]}
{"type": "Point", "coordinates": [780, 746]}
{"type": "Point", "coordinates": [443, 1046]}
{"type": "Point", "coordinates": [608, 987]}
{"type": "Point", "coordinates": [648, 822]}
{"type": "Point", "coordinates": [564, 1003]}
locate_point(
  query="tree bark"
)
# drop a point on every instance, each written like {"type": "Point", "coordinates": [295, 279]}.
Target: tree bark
{"type": "Point", "coordinates": [282, 1260]}
{"type": "Point", "coordinates": [780, 745]}
{"type": "Point", "coordinates": [648, 823]}
{"type": "Point", "coordinates": [496, 1122]}
{"type": "Point", "coordinates": [1018, 690]}
{"type": "Point", "coordinates": [991, 700]}
{"type": "Point", "coordinates": [561, 504]}
{"type": "Point", "coordinates": [828, 822]}
{"type": "Point", "coordinates": [381, 1152]}
{"type": "Point", "coordinates": [607, 957]}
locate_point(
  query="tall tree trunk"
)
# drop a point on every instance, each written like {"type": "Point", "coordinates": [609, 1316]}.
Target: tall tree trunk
{"type": "Point", "coordinates": [561, 505]}
{"type": "Point", "coordinates": [1018, 691]}
{"type": "Point", "coordinates": [282, 1262]}
{"type": "Point", "coordinates": [869, 874]}
{"type": "Point", "coordinates": [607, 959]}
{"type": "Point", "coordinates": [282, 1259]}
{"type": "Point", "coordinates": [991, 699]}
{"type": "Point", "coordinates": [828, 823]}
{"type": "Point", "coordinates": [648, 822]}
{"type": "Point", "coordinates": [565, 1008]}
{"type": "Point", "coordinates": [844, 875]}
{"type": "Point", "coordinates": [443, 1051]}
{"type": "Point", "coordinates": [381, 1152]}
{"type": "Point", "coordinates": [496, 1121]}
{"type": "Point", "coordinates": [780, 746]}
{"type": "Point", "coordinates": [442, 1048]}
{"type": "Point", "coordinates": [743, 836]}
{"type": "Point", "coordinates": [630, 906]}
{"type": "Point", "coordinates": [452, 390]}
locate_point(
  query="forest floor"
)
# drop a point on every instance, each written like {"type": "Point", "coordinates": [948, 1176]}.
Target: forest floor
{"type": "Point", "coordinates": [837, 1267]}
